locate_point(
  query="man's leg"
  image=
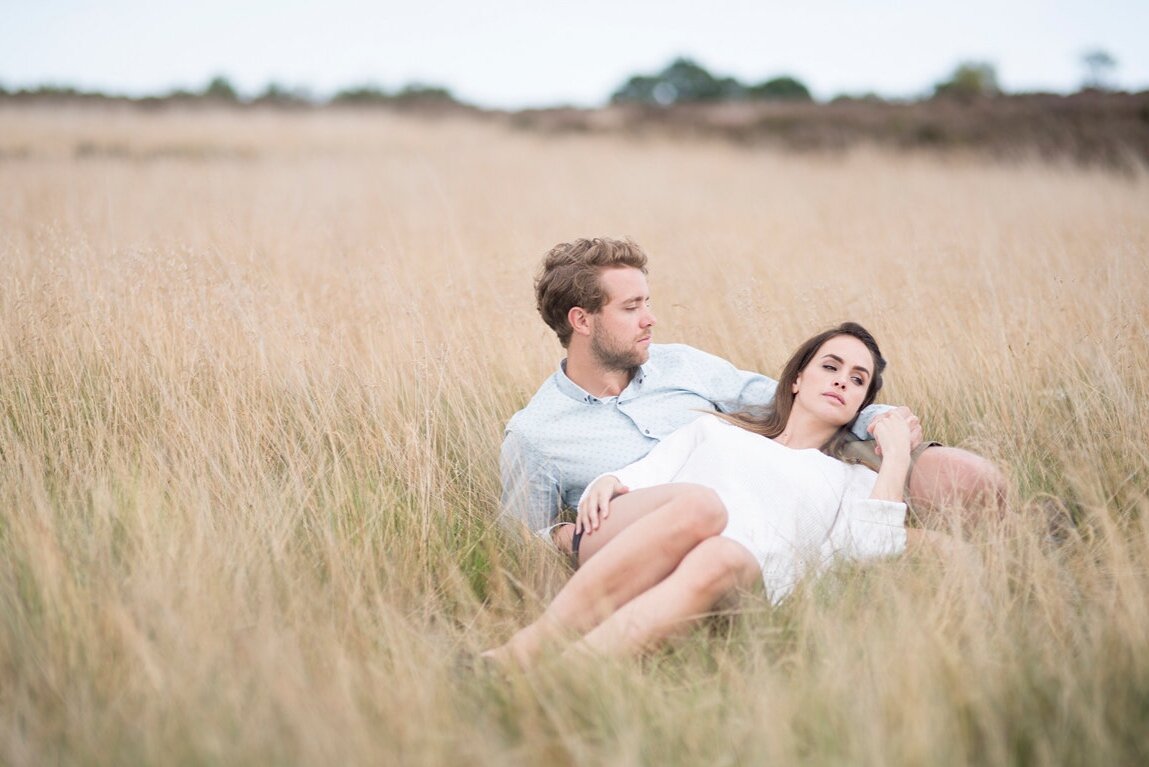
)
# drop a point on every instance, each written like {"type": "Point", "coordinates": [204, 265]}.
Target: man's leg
{"type": "Point", "coordinates": [713, 569]}
{"type": "Point", "coordinates": [945, 479]}
{"type": "Point", "coordinates": [667, 522]}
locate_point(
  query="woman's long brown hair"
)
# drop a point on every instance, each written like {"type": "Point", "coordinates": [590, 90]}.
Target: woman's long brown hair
{"type": "Point", "coordinates": [770, 420]}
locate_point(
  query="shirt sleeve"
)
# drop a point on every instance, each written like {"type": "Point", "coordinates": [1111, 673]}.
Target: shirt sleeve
{"type": "Point", "coordinates": [664, 460]}
{"type": "Point", "coordinates": [862, 422]}
{"type": "Point", "coordinates": [531, 492]}
{"type": "Point", "coordinates": [729, 388]}
{"type": "Point", "coordinates": [868, 528]}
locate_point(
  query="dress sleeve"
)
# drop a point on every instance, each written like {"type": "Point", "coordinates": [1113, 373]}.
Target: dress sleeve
{"type": "Point", "coordinates": [664, 460]}
{"type": "Point", "coordinates": [531, 494]}
{"type": "Point", "coordinates": [867, 528]}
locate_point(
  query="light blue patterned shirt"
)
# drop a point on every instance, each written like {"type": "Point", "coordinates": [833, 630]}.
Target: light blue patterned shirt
{"type": "Point", "coordinates": [565, 437]}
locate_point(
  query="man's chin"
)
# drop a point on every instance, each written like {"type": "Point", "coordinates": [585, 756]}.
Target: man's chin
{"type": "Point", "coordinates": [627, 361]}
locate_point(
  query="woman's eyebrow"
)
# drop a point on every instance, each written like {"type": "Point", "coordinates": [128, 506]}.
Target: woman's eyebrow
{"type": "Point", "coordinates": [841, 361]}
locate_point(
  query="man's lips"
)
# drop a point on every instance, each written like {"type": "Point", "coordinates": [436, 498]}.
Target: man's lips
{"type": "Point", "coordinates": [834, 396]}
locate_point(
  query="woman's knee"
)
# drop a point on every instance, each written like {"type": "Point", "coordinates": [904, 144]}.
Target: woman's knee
{"type": "Point", "coordinates": [718, 566]}
{"type": "Point", "coordinates": [700, 513]}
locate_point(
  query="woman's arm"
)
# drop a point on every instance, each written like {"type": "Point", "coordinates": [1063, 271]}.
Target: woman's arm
{"type": "Point", "coordinates": [873, 524]}
{"type": "Point", "coordinates": [659, 466]}
{"type": "Point", "coordinates": [892, 430]}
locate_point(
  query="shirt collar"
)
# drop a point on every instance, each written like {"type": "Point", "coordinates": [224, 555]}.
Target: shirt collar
{"type": "Point", "coordinates": [577, 393]}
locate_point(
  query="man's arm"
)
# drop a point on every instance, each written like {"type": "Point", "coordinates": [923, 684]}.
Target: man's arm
{"type": "Point", "coordinates": [531, 495]}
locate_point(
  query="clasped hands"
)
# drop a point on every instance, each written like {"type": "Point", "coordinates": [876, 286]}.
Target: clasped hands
{"type": "Point", "coordinates": [896, 431]}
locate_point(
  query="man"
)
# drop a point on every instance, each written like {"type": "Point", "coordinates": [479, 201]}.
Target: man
{"type": "Point", "coordinates": [617, 394]}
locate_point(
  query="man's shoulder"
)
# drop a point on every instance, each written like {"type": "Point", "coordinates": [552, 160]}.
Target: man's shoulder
{"type": "Point", "coordinates": [546, 404]}
{"type": "Point", "coordinates": [675, 351]}
{"type": "Point", "coordinates": [683, 359]}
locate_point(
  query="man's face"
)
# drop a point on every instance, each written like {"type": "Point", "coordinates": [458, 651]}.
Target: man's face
{"type": "Point", "coordinates": [621, 330]}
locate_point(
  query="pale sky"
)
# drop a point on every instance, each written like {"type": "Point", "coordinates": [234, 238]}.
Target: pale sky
{"type": "Point", "coordinates": [515, 53]}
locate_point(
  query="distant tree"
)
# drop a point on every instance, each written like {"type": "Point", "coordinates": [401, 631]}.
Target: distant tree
{"type": "Point", "coordinates": [682, 81]}
{"type": "Point", "coordinates": [51, 90]}
{"type": "Point", "coordinates": [869, 97]}
{"type": "Point", "coordinates": [413, 93]}
{"type": "Point", "coordinates": [1098, 65]}
{"type": "Point", "coordinates": [641, 89]}
{"type": "Point", "coordinates": [275, 93]}
{"type": "Point", "coordinates": [361, 94]}
{"type": "Point", "coordinates": [970, 79]}
{"type": "Point", "coordinates": [179, 94]}
{"type": "Point", "coordinates": [419, 92]}
{"type": "Point", "coordinates": [221, 89]}
{"type": "Point", "coordinates": [779, 89]}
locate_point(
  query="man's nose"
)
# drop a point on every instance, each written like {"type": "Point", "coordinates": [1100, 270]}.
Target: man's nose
{"type": "Point", "coordinates": [649, 319]}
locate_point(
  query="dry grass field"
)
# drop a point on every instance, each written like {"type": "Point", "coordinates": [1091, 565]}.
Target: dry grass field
{"type": "Point", "coordinates": [254, 373]}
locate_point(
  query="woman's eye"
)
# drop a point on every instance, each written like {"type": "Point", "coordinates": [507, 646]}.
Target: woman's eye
{"type": "Point", "coordinates": [857, 380]}
{"type": "Point", "coordinates": [829, 367]}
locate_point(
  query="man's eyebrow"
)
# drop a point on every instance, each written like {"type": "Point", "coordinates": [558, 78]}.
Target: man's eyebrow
{"type": "Point", "coordinates": [841, 361]}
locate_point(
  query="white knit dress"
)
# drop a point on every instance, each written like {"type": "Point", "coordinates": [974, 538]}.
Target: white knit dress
{"type": "Point", "coordinates": [795, 510]}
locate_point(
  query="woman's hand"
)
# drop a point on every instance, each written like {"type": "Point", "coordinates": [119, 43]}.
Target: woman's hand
{"type": "Point", "coordinates": [595, 504]}
{"type": "Point", "coordinates": [911, 419]}
{"type": "Point", "coordinates": [894, 433]}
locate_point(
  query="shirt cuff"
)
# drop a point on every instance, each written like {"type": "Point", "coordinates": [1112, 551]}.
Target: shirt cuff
{"type": "Point", "coordinates": [547, 533]}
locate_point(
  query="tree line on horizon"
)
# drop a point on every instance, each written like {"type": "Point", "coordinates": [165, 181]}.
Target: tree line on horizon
{"type": "Point", "coordinates": [682, 81]}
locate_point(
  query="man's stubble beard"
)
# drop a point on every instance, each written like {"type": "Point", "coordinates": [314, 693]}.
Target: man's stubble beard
{"type": "Point", "coordinates": [615, 359]}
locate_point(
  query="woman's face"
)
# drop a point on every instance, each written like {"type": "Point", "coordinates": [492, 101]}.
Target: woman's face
{"type": "Point", "coordinates": [834, 383]}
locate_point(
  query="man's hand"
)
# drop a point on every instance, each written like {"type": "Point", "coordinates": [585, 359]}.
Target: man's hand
{"type": "Point", "coordinates": [911, 420]}
{"type": "Point", "coordinates": [595, 505]}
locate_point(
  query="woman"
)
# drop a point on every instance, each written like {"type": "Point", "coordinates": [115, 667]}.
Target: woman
{"type": "Point", "coordinates": [764, 481]}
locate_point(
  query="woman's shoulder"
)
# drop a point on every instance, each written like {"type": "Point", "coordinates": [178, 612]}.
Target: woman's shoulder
{"type": "Point", "coordinates": [714, 424]}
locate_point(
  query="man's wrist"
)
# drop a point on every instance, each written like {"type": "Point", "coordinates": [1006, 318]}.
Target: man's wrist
{"type": "Point", "coordinates": [562, 536]}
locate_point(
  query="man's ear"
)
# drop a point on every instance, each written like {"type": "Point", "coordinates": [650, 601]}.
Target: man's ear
{"type": "Point", "coordinates": [579, 320]}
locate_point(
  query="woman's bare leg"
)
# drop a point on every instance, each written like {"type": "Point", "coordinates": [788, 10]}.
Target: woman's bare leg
{"type": "Point", "coordinates": [622, 515]}
{"type": "Point", "coordinates": [668, 522]}
{"type": "Point", "coordinates": [712, 570]}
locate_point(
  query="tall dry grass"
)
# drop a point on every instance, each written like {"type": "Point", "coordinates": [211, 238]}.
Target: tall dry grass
{"type": "Point", "coordinates": [254, 369]}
